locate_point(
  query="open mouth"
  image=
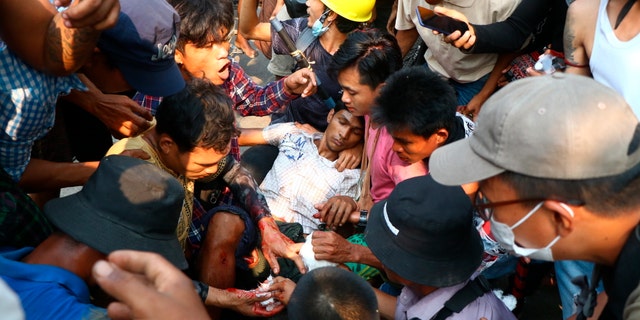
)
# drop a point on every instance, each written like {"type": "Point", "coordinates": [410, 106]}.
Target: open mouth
{"type": "Point", "coordinates": [225, 67]}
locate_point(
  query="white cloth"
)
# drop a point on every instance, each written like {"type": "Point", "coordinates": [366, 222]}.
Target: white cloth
{"type": "Point", "coordinates": [444, 58]}
{"type": "Point", "coordinates": [10, 306]}
{"type": "Point", "coordinates": [301, 178]}
{"type": "Point", "coordinates": [615, 63]}
{"type": "Point", "coordinates": [309, 257]}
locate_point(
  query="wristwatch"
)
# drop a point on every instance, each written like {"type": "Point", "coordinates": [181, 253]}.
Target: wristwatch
{"type": "Point", "coordinates": [362, 221]}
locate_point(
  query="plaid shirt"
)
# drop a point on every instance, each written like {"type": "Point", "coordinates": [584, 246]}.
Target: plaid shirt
{"type": "Point", "coordinates": [28, 99]}
{"type": "Point", "coordinates": [150, 103]}
{"type": "Point", "coordinates": [249, 99]}
{"type": "Point", "coordinates": [301, 178]}
{"type": "Point", "coordinates": [253, 100]}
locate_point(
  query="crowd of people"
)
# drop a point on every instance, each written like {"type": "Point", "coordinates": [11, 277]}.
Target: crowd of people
{"type": "Point", "coordinates": [383, 188]}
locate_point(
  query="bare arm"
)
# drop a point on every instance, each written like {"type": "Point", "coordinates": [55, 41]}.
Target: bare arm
{"type": "Point", "coordinates": [386, 304]}
{"type": "Point", "coordinates": [45, 40]}
{"type": "Point", "coordinates": [251, 137]}
{"type": "Point", "coordinates": [330, 246]}
{"type": "Point", "coordinates": [123, 116]}
{"type": "Point", "coordinates": [249, 25]}
{"type": "Point", "coordinates": [274, 244]}
{"type": "Point", "coordinates": [574, 39]}
{"type": "Point", "coordinates": [276, 9]}
{"type": "Point", "coordinates": [242, 301]}
{"type": "Point", "coordinates": [406, 39]}
{"type": "Point", "coordinates": [43, 175]}
{"type": "Point", "coordinates": [475, 104]}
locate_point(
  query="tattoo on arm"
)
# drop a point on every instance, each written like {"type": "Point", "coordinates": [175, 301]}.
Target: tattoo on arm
{"type": "Point", "coordinates": [573, 56]}
{"type": "Point", "coordinates": [67, 49]}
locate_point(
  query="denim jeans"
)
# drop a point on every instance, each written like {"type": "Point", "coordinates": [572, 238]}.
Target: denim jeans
{"type": "Point", "coordinates": [466, 91]}
{"type": "Point", "coordinates": [565, 271]}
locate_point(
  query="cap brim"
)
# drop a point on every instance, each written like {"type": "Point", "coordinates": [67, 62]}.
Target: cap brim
{"type": "Point", "coordinates": [457, 164]}
{"type": "Point", "coordinates": [75, 217]}
{"type": "Point", "coordinates": [457, 268]}
{"type": "Point", "coordinates": [158, 83]}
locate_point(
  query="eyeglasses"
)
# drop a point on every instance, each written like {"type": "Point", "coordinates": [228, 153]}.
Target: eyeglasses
{"type": "Point", "coordinates": [485, 208]}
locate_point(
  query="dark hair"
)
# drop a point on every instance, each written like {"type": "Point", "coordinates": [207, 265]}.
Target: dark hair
{"type": "Point", "coordinates": [608, 196]}
{"type": "Point", "coordinates": [340, 106]}
{"type": "Point", "coordinates": [198, 116]}
{"type": "Point", "coordinates": [203, 21]}
{"type": "Point", "coordinates": [418, 100]}
{"type": "Point", "coordinates": [332, 293]}
{"type": "Point", "coordinates": [345, 25]}
{"type": "Point", "coordinates": [375, 54]}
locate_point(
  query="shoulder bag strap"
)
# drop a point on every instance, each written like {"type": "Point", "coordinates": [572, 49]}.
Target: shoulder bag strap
{"type": "Point", "coordinates": [470, 292]}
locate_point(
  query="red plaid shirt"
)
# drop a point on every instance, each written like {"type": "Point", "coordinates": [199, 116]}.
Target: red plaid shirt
{"type": "Point", "coordinates": [251, 99]}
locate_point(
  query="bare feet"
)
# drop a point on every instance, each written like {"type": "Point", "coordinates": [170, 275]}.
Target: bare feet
{"type": "Point", "coordinates": [244, 46]}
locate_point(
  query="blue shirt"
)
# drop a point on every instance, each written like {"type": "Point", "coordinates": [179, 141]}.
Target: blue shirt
{"type": "Point", "coordinates": [47, 292]}
{"type": "Point", "coordinates": [27, 108]}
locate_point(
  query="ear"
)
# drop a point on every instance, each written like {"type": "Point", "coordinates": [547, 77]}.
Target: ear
{"type": "Point", "coordinates": [564, 216]}
{"type": "Point", "coordinates": [332, 112]}
{"type": "Point", "coordinates": [441, 136]}
{"type": "Point", "coordinates": [179, 57]}
{"type": "Point", "coordinates": [332, 17]}
{"type": "Point", "coordinates": [470, 189]}
{"type": "Point", "coordinates": [378, 88]}
{"type": "Point", "coordinates": [166, 144]}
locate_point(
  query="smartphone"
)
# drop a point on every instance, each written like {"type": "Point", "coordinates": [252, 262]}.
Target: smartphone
{"type": "Point", "coordinates": [443, 24]}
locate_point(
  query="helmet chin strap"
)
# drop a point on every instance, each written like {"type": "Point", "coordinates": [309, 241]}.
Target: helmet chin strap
{"type": "Point", "coordinates": [324, 15]}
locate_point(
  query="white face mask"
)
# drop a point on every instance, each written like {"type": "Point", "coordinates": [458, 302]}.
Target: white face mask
{"type": "Point", "coordinates": [504, 235]}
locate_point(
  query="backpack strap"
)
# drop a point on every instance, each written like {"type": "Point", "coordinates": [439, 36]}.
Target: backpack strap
{"type": "Point", "coordinates": [304, 39]}
{"type": "Point", "coordinates": [469, 293]}
{"type": "Point", "coordinates": [302, 43]}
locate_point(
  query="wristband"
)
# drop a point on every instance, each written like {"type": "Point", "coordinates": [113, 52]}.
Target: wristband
{"type": "Point", "coordinates": [202, 289]}
{"type": "Point", "coordinates": [362, 221]}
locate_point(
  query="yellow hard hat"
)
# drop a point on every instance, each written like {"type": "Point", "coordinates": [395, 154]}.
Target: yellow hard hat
{"type": "Point", "coordinates": [354, 10]}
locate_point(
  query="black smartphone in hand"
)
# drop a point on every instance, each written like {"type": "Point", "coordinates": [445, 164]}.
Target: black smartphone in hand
{"type": "Point", "coordinates": [443, 24]}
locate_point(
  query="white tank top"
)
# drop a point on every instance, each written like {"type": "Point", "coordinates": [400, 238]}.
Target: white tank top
{"type": "Point", "coordinates": [616, 63]}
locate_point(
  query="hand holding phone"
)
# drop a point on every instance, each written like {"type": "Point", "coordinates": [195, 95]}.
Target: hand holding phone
{"type": "Point", "coordinates": [443, 24]}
